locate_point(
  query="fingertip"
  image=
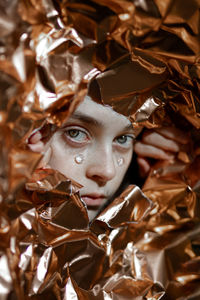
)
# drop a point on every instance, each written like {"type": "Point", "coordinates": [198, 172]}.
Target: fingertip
{"type": "Point", "coordinates": [38, 147]}
{"type": "Point", "coordinates": [175, 134]}
{"type": "Point", "coordinates": [144, 166]}
{"type": "Point", "coordinates": [35, 137]}
{"type": "Point", "coordinates": [185, 140]}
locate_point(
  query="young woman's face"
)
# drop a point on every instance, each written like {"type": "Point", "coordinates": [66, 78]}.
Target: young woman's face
{"type": "Point", "coordinates": [94, 147]}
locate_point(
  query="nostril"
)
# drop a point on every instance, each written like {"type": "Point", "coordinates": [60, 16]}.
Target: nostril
{"type": "Point", "coordinates": [99, 180]}
{"type": "Point", "coordinates": [101, 172]}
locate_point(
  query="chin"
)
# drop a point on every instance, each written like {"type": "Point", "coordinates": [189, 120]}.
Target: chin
{"type": "Point", "coordinates": [92, 213]}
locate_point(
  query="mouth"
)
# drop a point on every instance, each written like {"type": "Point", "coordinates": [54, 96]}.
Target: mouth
{"type": "Point", "coordinates": [94, 199]}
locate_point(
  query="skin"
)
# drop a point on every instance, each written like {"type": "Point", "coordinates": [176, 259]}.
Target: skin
{"type": "Point", "coordinates": [160, 144]}
{"type": "Point", "coordinates": [102, 137]}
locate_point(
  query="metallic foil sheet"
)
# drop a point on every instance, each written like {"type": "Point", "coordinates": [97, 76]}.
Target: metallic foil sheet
{"type": "Point", "coordinates": [145, 244]}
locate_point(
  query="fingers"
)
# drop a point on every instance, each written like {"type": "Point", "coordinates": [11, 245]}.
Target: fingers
{"type": "Point", "coordinates": [35, 143]}
{"type": "Point", "coordinates": [144, 150]}
{"type": "Point", "coordinates": [159, 144]}
{"type": "Point", "coordinates": [174, 134]}
{"type": "Point", "coordinates": [162, 143]}
{"type": "Point", "coordinates": [37, 147]}
{"type": "Point", "coordinates": [157, 140]}
{"type": "Point", "coordinates": [35, 137]}
{"type": "Point", "coordinates": [144, 166]}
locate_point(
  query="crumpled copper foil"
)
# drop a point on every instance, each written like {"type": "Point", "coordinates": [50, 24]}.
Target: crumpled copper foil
{"type": "Point", "coordinates": [143, 58]}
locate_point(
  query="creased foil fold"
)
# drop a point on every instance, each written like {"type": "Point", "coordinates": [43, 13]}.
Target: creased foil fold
{"type": "Point", "coordinates": [143, 59]}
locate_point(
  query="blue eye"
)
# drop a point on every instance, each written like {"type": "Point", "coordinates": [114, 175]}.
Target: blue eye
{"type": "Point", "coordinates": [73, 133]}
{"type": "Point", "coordinates": [122, 139]}
{"type": "Point", "coordinates": [76, 135]}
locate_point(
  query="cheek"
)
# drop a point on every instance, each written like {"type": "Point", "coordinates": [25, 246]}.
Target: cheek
{"type": "Point", "coordinates": [63, 159]}
{"type": "Point", "coordinates": [121, 170]}
{"type": "Point", "coordinates": [66, 160]}
{"type": "Point", "coordinates": [126, 160]}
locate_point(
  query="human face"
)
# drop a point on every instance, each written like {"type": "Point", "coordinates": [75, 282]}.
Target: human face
{"type": "Point", "coordinates": [94, 147]}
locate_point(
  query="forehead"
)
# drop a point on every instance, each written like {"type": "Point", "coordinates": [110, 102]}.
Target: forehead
{"type": "Point", "coordinates": [101, 113]}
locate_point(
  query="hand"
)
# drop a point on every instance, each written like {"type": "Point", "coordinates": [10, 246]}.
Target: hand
{"type": "Point", "coordinates": [160, 144]}
{"type": "Point", "coordinates": [36, 144]}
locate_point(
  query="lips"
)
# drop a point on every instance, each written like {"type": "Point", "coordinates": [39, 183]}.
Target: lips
{"type": "Point", "coordinates": [94, 199]}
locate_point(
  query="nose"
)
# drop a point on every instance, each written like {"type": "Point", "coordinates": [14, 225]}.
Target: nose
{"type": "Point", "coordinates": [101, 168]}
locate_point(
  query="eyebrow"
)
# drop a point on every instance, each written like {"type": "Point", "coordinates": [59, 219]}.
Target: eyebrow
{"type": "Point", "coordinates": [92, 121]}
{"type": "Point", "coordinates": [86, 119]}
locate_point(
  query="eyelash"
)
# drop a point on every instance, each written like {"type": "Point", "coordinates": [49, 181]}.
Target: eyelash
{"type": "Point", "coordinates": [86, 137]}
{"type": "Point", "coordinates": [76, 139]}
{"type": "Point", "coordinates": [127, 138]}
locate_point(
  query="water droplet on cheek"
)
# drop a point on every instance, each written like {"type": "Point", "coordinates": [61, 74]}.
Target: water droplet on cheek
{"type": "Point", "coordinates": [120, 161]}
{"type": "Point", "coordinates": [79, 159]}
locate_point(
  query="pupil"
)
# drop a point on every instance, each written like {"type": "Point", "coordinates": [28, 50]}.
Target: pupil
{"type": "Point", "coordinates": [122, 139]}
{"type": "Point", "coordinates": [73, 133]}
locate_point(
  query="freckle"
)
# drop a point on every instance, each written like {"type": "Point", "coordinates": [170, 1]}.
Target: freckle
{"type": "Point", "coordinates": [78, 159]}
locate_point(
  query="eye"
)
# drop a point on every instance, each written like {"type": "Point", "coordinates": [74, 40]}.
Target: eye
{"type": "Point", "coordinates": [73, 133]}
{"type": "Point", "coordinates": [76, 135]}
{"type": "Point", "coordinates": [122, 139]}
